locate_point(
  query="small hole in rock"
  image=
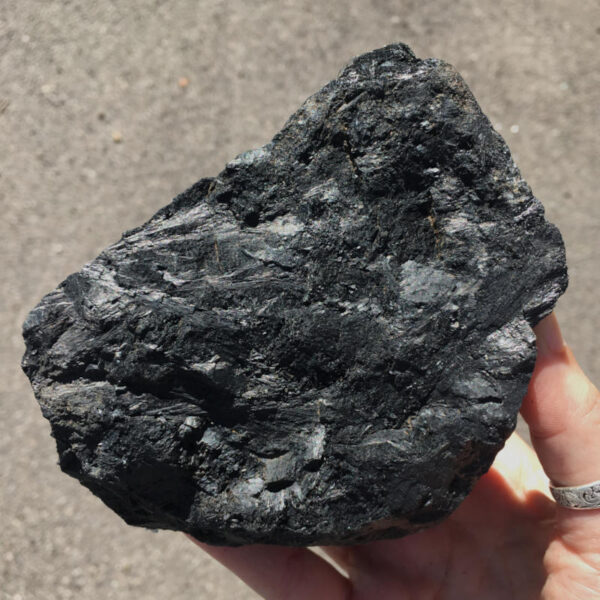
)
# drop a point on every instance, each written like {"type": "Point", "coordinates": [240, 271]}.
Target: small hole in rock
{"type": "Point", "coordinates": [252, 219]}
{"type": "Point", "coordinates": [280, 484]}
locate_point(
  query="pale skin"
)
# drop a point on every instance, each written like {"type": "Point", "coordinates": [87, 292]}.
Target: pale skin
{"type": "Point", "coordinates": [508, 540]}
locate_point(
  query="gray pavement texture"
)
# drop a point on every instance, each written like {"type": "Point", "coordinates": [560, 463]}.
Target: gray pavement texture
{"type": "Point", "coordinates": [98, 130]}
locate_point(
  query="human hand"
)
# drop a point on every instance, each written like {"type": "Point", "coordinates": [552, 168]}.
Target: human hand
{"type": "Point", "coordinates": [507, 540]}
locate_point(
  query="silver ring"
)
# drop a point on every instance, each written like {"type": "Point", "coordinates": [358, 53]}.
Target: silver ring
{"type": "Point", "coordinates": [580, 497]}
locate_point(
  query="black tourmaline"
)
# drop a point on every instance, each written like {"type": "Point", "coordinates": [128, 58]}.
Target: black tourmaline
{"type": "Point", "coordinates": [328, 342]}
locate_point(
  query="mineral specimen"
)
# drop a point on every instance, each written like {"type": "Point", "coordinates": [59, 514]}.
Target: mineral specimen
{"type": "Point", "coordinates": [328, 342]}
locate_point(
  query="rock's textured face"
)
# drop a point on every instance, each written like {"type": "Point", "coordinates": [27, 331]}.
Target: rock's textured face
{"type": "Point", "coordinates": [327, 343]}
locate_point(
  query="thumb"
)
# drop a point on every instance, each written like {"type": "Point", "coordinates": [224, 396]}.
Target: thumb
{"type": "Point", "coordinates": [562, 410]}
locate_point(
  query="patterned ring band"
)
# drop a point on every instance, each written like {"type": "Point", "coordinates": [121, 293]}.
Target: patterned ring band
{"type": "Point", "coordinates": [580, 497]}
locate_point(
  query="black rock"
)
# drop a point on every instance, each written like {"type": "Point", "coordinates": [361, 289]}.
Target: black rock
{"type": "Point", "coordinates": [325, 344]}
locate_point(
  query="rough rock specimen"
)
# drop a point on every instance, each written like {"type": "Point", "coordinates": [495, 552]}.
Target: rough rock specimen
{"type": "Point", "coordinates": [328, 342]}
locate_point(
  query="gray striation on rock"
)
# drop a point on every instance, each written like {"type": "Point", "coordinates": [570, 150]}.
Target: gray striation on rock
{"type": "Point", "coordinates": [328, 342]}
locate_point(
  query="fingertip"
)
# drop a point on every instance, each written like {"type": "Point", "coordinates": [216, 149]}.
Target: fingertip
{"type": "Point", "coordinates": [550, 341]}
{"type": "Point", "coordinates": [539, 405]}
{"type": "Point", "coordinates": [562, 409]}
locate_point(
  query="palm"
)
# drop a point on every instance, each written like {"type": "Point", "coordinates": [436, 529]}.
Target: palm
{"type": "Point", "coordinates": [491, 547]}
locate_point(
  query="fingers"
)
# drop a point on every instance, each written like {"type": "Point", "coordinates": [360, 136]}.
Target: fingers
{"type": "Point", "coordinates": [562, 409]}
{"type": "Point", "coordinates": [282, 573]}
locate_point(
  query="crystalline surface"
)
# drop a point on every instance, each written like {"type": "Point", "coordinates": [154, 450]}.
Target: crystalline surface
{"type": "Point", "coordinates": [328, 342]}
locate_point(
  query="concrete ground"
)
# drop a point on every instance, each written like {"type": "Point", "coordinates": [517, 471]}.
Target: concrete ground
{"type": "Point", "coordinates": [109, 109]}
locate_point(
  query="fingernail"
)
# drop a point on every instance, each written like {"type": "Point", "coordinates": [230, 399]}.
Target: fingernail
{"type": "Point", "coordinates": [549, 337]}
